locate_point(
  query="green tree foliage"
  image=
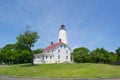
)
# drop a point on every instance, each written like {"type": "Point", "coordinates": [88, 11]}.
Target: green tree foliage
{"type": "Point", "coordinates": [20, 52]}
{"type": "Point", "coordinates": [15, 54]}
{"type": "Point", "coordinates": [6, 54]}
{"type": "Point", "coordinates": [118, 54]}
{"type": "Point", "coordinates": [100, 55]}
{"type": "Point", "coordinates": [0, 52]}
{"type": "Point", "coordinates": [80, 54]}
{"type": "Point", "coordinates": [112, 57]}
{"type": "Point", "coordinates": [27, 39]}
{"type": "Point", "coordinates": [37, 51]}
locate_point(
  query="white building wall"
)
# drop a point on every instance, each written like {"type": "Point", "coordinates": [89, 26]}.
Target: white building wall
{"type": "Point", "coordinates": [48, 56]}
{"type": "Point", "coordinates": [37, 59]}
{"type": "Point", "coordinates": [62, 54]}
{"type": "Point", "coordinates": [48, 59]}
{"type": "Point", "coordinates": [55, 53]}
{"type": "Point", "coordinates": [64, 51]}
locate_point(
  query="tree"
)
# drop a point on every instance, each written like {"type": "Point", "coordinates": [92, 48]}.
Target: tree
{"type": "Point", "coordinates": [118, 54]}
{"type": "Point", "coordinates": [27, 39]}
{"type": "Point", "coordinates": [6, 54]}
{"type": "Point", "coordinates": [0, 49]}
{"type": "Point", "coordinates": [112, 57]}
{"type": "Point", "coordinates": [37, 51]}
{"type": "Point", "coordinates": [0, 55]}
{"type": "Point", "coordinates": [100, 55]}
{"type": "Point", "coordinates": [80, 54]}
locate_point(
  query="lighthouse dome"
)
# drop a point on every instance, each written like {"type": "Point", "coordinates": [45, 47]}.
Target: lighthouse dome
{"type": "Point", "coordinates": [62, 27]}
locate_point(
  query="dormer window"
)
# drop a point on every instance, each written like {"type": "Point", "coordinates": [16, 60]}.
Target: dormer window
{"type": "Point", "coordinates": [61, 46]}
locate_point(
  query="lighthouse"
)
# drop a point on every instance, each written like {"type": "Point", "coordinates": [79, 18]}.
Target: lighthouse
{"type": "Point", "coordinates": [62, 34]}
{"type": "Point", "coordinates": [59, 52]}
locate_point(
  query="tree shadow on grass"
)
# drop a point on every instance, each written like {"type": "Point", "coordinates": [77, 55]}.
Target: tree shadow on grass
{"type": "Point", "coordinates": [116, 63]}
{"type": "Point", "coordinates": [28, 65]}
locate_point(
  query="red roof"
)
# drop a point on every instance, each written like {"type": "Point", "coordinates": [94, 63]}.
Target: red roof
{"type": "Point", "coordinates": [52, 46]}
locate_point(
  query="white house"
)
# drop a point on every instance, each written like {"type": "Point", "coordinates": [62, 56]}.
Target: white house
{"type": "Point", "coordinates": [56, 52]}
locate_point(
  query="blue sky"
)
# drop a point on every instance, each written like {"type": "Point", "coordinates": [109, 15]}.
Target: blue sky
{"type": "Point", "coordinates": [89, 23]}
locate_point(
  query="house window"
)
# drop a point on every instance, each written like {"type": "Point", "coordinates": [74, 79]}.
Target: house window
{"type": "Point", "coordinates": [42, 57]}
{"type": "Point", "coordinates": [66, 51]}
{"type": "Point", "coordinates": [61, 46]}
{"type": "Point", "coordinates": [58, 56]}
{"type": "Point", "coordinates": [58, 50]}
{"type": "Point", "coordinates": [38, 57]}
{"type": "Point", "coordinates": [50, 57]}
{"type": "Point", "coordinates": [66, 57]}
{"type": "Point", "coordinates": [46, 57]}
{"type": "Point", "coordinates": [64, 46]}
{"type": "Point", "coordinates": [48, 51]}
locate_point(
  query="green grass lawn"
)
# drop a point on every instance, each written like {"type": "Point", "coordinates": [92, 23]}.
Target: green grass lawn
{"type": "Point", "coordinates": [85, 70]}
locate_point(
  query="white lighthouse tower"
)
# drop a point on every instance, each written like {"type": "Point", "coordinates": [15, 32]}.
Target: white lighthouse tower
{"type": "Point", "coordinates": [63, 34]}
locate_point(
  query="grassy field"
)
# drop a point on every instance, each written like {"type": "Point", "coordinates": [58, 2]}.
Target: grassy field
{"type": "Point", "coordinates": [86, 70]}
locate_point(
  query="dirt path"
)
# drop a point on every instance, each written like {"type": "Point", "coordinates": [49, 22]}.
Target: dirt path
{"type": "Point", "coordinates": [2, 77]}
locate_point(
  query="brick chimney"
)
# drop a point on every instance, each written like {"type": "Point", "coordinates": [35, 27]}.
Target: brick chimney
{"type": "Point", "coordinates": [60, 41]}
{"type": "Point", "coordinates": [52, 43]}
